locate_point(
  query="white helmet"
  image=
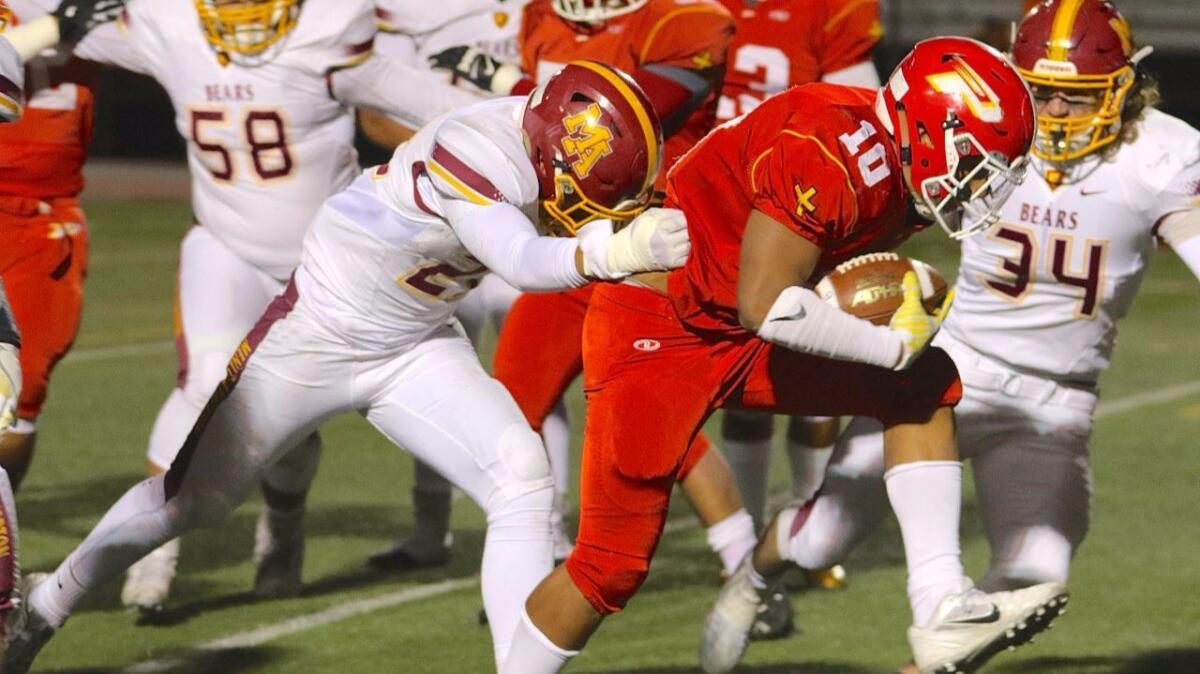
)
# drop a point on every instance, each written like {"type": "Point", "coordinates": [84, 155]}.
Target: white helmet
{"type": "Point", "coordinates": [595, 11]}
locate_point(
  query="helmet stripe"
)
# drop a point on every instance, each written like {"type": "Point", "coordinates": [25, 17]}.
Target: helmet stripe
{"type": "Point", "coordinates": [638, 109]}
{"type": "Point", "coordinates": [1061, 29]}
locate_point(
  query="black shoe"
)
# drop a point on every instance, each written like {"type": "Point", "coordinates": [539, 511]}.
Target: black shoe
{"type": "Point", "coordinates": [776, 618]}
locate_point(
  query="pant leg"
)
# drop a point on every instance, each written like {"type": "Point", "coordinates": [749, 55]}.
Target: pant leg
{"type": "Point", "coordinates": [283, 380]}
{"type": "Point", "coordinates": [437, 402]}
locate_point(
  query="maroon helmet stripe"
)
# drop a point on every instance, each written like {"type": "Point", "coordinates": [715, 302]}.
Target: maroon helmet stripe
{"type": "Point", "coordinates": [469, 176]}
{"type": "Point", "coordinates": [10, 88]}
{"type": "Point", "coordinates": [277, 310]}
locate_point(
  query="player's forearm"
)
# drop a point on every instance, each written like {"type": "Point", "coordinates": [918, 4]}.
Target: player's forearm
{"type": "Point", "coordinates": [30, 38]}
{"type": "Point", "coordinates": [801, 321]}
{"type": "Point", "coordinates": [411, 96]}
{"type": "Point", "coordinates": [503, 239]}
{"type": "Point", "coordinates": [1181, 231]}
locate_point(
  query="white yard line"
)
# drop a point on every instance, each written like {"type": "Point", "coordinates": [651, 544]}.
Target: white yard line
{"type": "Point", "coordinates": [102, 353]}
{"type": "Point", "coordinates": [339, 612]}
{"type": "Point", "coordinates": [333, 614]}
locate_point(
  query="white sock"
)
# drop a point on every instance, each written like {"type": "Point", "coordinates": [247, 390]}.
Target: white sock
{"type": "Point", "coordinates": [518, 552]}
{"type": "Point", "coordinates": [746, 444]}
{"type": "Point", "coordinates": [927, 499]}
{"type": "Point", "coordinates": [138, 522]}
{"type": "Point", "coordinates": [808, 468]}
{"type": "Point", "coordinates": [532, 652]}
{"type": "Point", "coordinates": [732, 539]}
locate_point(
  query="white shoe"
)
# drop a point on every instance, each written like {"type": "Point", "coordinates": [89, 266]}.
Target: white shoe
{"type": "Point", "coordinates": [727, 628]}
{"type": "Point", "coordinates": [148, 581]}
{"type": "Point", "coordinates": [969, 628]}
{"type": "Point", "coordinates": [26, 631]}
{"type": "Point", "coordinates": [279, 554]}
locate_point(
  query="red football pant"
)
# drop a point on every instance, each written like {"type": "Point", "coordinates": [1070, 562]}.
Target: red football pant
{"type": "Point", "coordinates": [540, 352]}
{"type": "Point", "coordinates": [651, 384]}
{"type": "Point", "coordinates": [43, 260]}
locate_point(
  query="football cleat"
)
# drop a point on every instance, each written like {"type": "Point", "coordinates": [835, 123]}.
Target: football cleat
{"type": "Point", "coordinates": [279, 554]}
{"type": "Point", "coordinates": [413, 553]}
{"type": "Point", "coordinates": [727, 628]}
{"type": "Point", "coordinates": [969, 628]}
{"type": "Point", "coordinates": [148, 581]}
{"type": "Point", "coordinates": [26, 631]}
{"type": "Point", "coordinates": [776, 617]}
{"type": "Point", "coordinates": [829, 578]}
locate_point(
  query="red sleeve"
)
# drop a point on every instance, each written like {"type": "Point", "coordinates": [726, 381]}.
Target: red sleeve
{"type": "Point", "coordinates": [802, 183]}
{"type": "Point", "coordinates": [852, 29]}
{"type": "Point", "coordinates": [693, 35]}
{"type": "Point", "coordinates": [530, 17]}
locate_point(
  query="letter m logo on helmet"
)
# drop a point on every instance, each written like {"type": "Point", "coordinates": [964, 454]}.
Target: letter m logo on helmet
{"type": "Point", "coordinates": [588, 140]}
{"type": "Point", "coordinates": [964, 82]}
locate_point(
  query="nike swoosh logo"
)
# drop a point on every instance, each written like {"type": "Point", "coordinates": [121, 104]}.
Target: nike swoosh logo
{"type": "Point", "coordinates": [990, 617]}
{"type": "Point", "coordinates": [801, 313]}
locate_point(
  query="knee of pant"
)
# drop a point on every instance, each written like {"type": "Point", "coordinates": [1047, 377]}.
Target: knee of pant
{"type": "Point", "coordinates": [862, 460]}
{"type": "Point", "coordinates": [294, 472]}
{"type": "Point", "coordinates": [747, 426]}
{"type": "Point", "coordinates": [607, 579]}
{"type": "Point", "coordinates": [205, 371]}
{"type": "Point", "coordinates": [525, 467]}
{"type": "Point", "coordinates": [199, 511]}
{"type": "Point", "coordinates": [525, 516]}
{"type": "Point", "coordinates": [1038, 554]}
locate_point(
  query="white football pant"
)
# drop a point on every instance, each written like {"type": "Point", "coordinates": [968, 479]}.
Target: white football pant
{"type": "Point", "coordinates": [432, 398]}
{"type": "Point", "coordinates": [1027, 439]}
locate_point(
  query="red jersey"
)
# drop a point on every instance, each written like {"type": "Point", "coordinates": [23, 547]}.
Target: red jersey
{"type": "Point", "coordinates": [692, 34]}
{"type": "Point", "coordinates": [42, 154]}
{"type": "Point", "coordinates": [814, 158]}
{"type": "Point", "coordinates": [786, 43]}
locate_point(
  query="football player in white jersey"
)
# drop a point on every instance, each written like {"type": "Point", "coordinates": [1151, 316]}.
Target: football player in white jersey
{"type": "Point", "coordinates": [413, 32]}
{"type": "Point", "coordinates": [367, 325]}
{"type": "Point", "coordinates": [263, 91]}
{"type": "Point", "coordinates": [1039, 297]}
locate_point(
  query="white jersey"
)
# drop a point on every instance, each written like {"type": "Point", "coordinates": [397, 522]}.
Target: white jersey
{"type": "Point", "coordinates": [1043, 289]}
{"type": "Point", "coordinates": [267, 144]}
{"type": "Point", "coordinates": [382, 259]}
{"type": "Point", "coordinates": [414, 31]}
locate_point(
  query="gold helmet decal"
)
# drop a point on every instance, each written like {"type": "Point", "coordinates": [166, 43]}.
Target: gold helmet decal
{"type": "Point", "coordinates": [246, 29]}
{"type": "Point", "coordinates": [587, 140]}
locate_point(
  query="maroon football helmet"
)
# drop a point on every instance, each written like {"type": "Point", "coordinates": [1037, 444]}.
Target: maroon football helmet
{"type": "Point", "coordinates": [595, 142]}
{"type": "Point", "coordinates": [963, 120]}
{"type": "Point", "coordinates": [1081, 48]}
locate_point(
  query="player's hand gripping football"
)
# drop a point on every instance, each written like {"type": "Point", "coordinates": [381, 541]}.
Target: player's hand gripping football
{"type": "Point", "coordinates": [478, 68]}
{"type": "Point", "coordinates": [915, 326]}
{"type": "Point", "coordinates": [77, 18]}
{"type": "Point", "coordinates": [656, 240]}
{"type": "Point", "coordinates": [10, 385]}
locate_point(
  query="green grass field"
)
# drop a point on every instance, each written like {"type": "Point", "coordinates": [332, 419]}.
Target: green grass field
{"type": "Point", "coordinates": [1135, 582]}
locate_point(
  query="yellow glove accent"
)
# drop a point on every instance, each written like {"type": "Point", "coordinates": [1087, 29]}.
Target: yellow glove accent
{"type": "Point", "coordinates": [912, 322]}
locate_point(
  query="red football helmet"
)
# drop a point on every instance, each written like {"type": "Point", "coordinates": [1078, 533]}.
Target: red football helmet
{"type": "Point", "coordinates": [595, 142]}
{"type": "Point", "coordinates": [1084, 49]}
{"type": "Point", "coordinates": [595, 11]}
{"type": "Point", "coordinates": [963, 120]}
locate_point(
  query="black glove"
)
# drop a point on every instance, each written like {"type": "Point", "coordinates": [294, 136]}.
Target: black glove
{"type": "Point", "coordinates": [77, 18]}
{"type": "Point", "coordinates": [467, 63]}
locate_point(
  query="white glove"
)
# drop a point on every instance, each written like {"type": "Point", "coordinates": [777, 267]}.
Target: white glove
{"type": "Point", "coordinates": [914, 326]}
{"type": "Point", "coordinates": [10, 385]}
{"type": "Point", "coordinates": [656, 240]}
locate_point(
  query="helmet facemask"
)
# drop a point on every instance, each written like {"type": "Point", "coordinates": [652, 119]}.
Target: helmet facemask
{"type": "Point", "coordinates": [247, 32]}
{"type": "Point", "coordinates": [571, 209]}
{"type": "Point", "coordinates": [1063, 139]}
{"type": "Point", "coordinates": [595, 11]}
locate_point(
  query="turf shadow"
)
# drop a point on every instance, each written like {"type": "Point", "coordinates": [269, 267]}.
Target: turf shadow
{"type": "Point", "coordinates": [230, 661]}
{"type": "Point", "coordinates": [807, 668]}
{"type": "Point", "coordinates": [1168, 661]}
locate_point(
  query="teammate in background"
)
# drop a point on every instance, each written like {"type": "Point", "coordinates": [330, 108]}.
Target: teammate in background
{"type": "Point", "coordinates": [1039, 298]}
{"type": "Point", "coordinates": [366, 325]}
{"type": "Point", "coordinates": [676, 50]}
{"type": "Point", "coordinates": [43, 230]}
{"type": "Point", "coordinates": [413, 32]}
{"type": "Point", "coordinates": [263, 91]}
{"type": "Point", "coordinates": [811, 177]}
{"type": "Point", "coordinates": [780, 45]}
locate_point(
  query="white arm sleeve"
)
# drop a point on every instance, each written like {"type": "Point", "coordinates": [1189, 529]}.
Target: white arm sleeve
{"type": "Point", "coordinates": [1181, 230]}
{"type": "Point", "coordinates": [502, 238]}
{"type": "Point", "coordinates": [801, 321]}
{"type": "Point", "coordinates": [858, 75]}
{"type": "Point", "coordinates": [113, 43]}
{"type": "Point", "coordinates": [33, 37]}
{"type": "Point", "coordinates": [410, 95]}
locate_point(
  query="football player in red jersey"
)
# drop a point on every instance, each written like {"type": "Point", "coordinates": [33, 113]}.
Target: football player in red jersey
{"type": "Point", "coordinates": [676, 50]}
{"type": "Point", "coordinates": [781, 44]}
{"type": "Point", "coordinates": [810, 178]}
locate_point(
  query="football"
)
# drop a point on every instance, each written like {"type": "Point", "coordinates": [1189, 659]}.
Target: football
{"type": "Point", "coordinates": [870, 286]}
